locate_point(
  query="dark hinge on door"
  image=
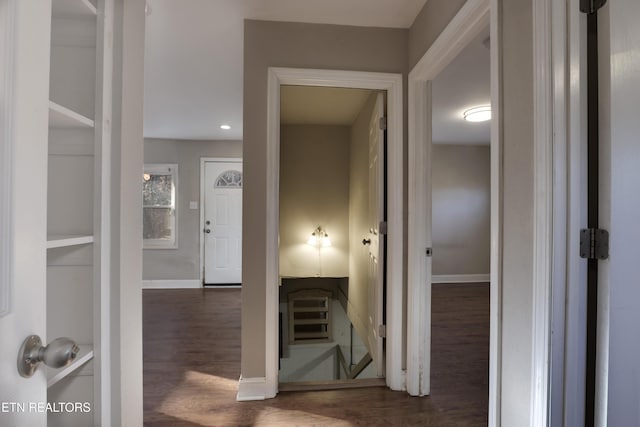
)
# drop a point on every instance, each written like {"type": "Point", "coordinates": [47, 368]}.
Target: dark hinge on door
{"type": "Point", "coordinates": [383, 123]}
{"type": "Point", "coordinates": [591, 6]}
{"type": "Point", "coordinates": [382, 227]}
{"type": "Point", "coordinates": [594, 243]}
{"type": "Point", "coordinates": [382, 331]}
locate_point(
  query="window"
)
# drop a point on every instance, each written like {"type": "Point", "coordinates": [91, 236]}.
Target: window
{"type": "Point", "coordinates": [229, 179]}
{"type": "Point", "coordinates": [159, 184]}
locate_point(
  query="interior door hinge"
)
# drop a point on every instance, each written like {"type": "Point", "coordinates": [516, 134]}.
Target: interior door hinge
{"type": "Point", "coordinates": [383, 123]}
{"type": "Point", "coordinates": [429, 252]}
{"type": "Point", "coordinates": [594, 243]}
{"type": "Point", "coordinates": [591, 6]}
{"type": "Point", "coordinates": [382, 331]}
{"type": "Point", "coordinates": [382, 227]}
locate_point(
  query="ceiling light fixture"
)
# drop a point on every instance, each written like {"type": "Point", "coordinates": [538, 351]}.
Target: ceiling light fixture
{"type": "Point", "coordinates": [478, 114]}
{"type": "Point", "coordinates": [225, 127]}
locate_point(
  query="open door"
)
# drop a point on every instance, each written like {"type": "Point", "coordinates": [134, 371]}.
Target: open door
{"type": "Point", "coordinates": [54, 233]}
{"type": "Point", "coordinates": [376, 238]}
{"type": "Point", "coordinates": [23, 202]}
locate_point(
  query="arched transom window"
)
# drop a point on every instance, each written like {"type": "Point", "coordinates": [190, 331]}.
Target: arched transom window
{"type": "Point", "coordinates": [229, 179]}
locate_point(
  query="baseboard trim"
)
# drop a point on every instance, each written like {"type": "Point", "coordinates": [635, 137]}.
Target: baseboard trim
{"type": "Point", "coordinates": [251, 389]}
{"type": "Point", "coordinates": [460, 278]}
{"type": "Point", "coordinates": [171, 284]}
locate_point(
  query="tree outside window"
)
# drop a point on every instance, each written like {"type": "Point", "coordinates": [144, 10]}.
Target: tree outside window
{"type": "Point", "coordinates": [159, 184]}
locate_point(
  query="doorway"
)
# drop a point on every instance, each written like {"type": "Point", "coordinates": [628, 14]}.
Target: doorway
{"type": "Point", "coordinates": [468, 25]}
{"type": "Point", "coordinates": [392, 84]}
{"type": "Point", "coordinates": [221, 221]}
{"type": "Point", "coordinates": [331, 255]}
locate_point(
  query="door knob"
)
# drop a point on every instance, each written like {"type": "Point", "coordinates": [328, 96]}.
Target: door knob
{"type": "Point", "coordinates": [366, 241]}
{"type": "Point", "coordinates": [207, 230]}
{"type": "Point", "coordinates": [58, 354]}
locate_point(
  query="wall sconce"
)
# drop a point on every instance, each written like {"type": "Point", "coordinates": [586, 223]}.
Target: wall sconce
{"type": "Point", "coordinates": [319, 237]}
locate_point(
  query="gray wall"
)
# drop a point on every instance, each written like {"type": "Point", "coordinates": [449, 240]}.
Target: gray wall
{"type": "Point", "coordinates": [461, 209]}
{"type": "Point", "coordinates": [314, 191]}
{"type": "Point", "coordinates": [183, 263]}
{"type": "Point", "coordinates": [432, 19]}
{"type": "Point", "coordinates": [290, 45]}
{"type": "Point", "coordinates": [358, 308]}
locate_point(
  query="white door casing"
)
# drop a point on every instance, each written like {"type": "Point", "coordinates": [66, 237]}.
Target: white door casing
{"type": "Point", "coordinates": [376, 239]}
{"type": "Point", "coordinates": [258, 388]}
{"type": "Point", "coordinates": [472, 18]}
{"type": "Point", "coordinates": [222, 228]}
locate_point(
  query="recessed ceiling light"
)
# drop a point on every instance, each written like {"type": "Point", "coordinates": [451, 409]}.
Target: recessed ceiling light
{"type": "Point", "coordinates": [225, 127]}
{"type": "Point", "coordinates": [478, 114]}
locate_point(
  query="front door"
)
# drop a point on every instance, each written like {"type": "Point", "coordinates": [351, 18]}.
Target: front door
{"type": "Point", "coordinates": [376, 237]}
{"type": "Point", "coordinates": [222, 228]}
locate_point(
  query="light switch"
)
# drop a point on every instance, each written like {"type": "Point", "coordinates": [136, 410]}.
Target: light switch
{"type": "Point", "coordinates": [193, 205]}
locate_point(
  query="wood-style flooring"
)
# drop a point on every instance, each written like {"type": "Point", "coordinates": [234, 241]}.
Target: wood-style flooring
{"type": "Point", "coordinates": [192, 365]}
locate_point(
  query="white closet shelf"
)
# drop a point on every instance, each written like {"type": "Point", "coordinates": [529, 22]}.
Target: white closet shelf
{"type": "Point", "coordinates": [62, 117]}
{"type": "Point", "coordinates": [66, 241]}
{"type": "Point", "coordinates": [73, 9]}
{"type": "Point", "coordinates": [84, 356]}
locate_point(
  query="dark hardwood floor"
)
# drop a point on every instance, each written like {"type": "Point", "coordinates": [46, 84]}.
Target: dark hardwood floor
{"type": "Point", "coordinates": [192, 365]}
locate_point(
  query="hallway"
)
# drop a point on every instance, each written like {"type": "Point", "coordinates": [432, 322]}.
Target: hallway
{"type": "Point", "coordinates": [192, 365]}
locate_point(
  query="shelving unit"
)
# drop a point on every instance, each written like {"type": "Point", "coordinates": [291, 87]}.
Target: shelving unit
{"type": "Point", "coordinates": [54, 376]}
{"type": "Point", "coordinates": [75, 206]}
{"type": "Point", "coordinates": [74, 9]}
{"type": "Point", "coordinates": [66, 241]}
{"type": "Point", "coordinates": [63, 118]}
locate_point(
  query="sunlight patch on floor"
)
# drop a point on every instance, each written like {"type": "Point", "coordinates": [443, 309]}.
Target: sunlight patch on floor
{"type": "Point", "coordinates": [196, 396]}
{"type": "Point", "coordinates": [283, 417]}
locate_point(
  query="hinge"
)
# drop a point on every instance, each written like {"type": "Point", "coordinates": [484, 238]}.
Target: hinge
{"type": "Point", "coordinates": [383, 123]}
{"type": "Point", "coordinates": [382, 331]}
{"type": "Point", "coordinates": [594, 243]}
{"type": "Point", "coordinates": [429, 252]}
{"type": "Point", "coordinates": [591, 6]}
{"type": "Point", "coordinates": [382, 227]}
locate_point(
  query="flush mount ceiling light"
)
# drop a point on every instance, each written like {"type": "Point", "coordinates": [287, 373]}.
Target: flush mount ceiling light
{"type": "Point", "coordinates": [225, 127]}
{"type": "Point", "coordinates": [478, 114]}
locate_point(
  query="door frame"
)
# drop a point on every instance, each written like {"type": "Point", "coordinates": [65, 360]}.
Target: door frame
{"type": "Point", "coordinates": [552, 184]}
{"type": "Point", "coordinates": [203, 161]}
{"type": "Point", "coordinates": [472, 18]}
{"type": "Point", "coordinates": [392, 83]}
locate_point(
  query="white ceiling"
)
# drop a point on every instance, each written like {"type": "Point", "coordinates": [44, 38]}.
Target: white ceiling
{"type": "Point", "coordinates": [194, 51]}
{"type": "Point", "coordinates": [463, 84]}
{"type": "Point", "coordinates": [194, 64]}
{"type": "Point", "coordinates": [303, 105]}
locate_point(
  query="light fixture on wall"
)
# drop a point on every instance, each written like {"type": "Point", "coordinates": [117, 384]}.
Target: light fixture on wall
{"type": "Point", "coordinates": [478, 114]}
{"type": "Point", "coordinates": [319, 237]}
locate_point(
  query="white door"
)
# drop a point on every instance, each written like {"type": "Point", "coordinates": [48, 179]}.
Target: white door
{"type": "Point", "coordinates": [618, 381]}
{"type": "Point", "coordinates": [222, 228]}
{"type": "Point", "coordinates": [376, 238]}
{"type": "Point", "coordinates": [23, 202]}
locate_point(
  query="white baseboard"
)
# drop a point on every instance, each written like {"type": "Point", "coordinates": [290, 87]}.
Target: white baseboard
{"type": "Point", "coordinates": [171, 284]}
{"type": "Point", "coordinates": [251, 389]}
{"type": "Point", "coordinates": [460, 278]}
